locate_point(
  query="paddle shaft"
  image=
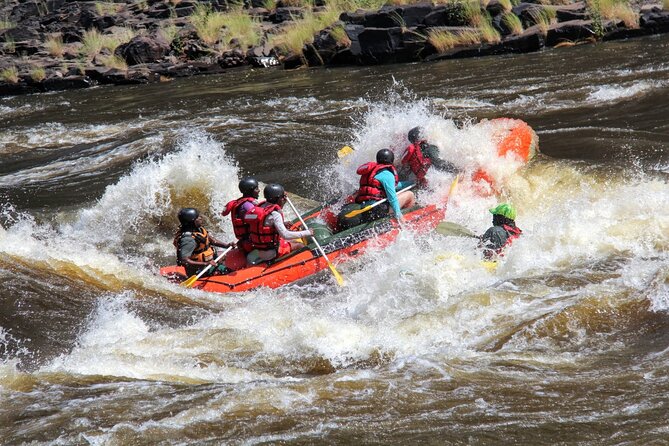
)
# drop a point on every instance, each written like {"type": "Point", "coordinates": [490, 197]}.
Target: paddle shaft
{"type": "Point", "coordinates": [373, 205]}
{"type": "Point", "coordinates": [313, 237]}
{"type": "Point", "coordinates": [209, 266]}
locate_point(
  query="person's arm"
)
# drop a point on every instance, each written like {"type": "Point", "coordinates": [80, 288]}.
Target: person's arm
{"type": "Point", "coordinates": [432, 153]}
{"type": "Point", "coordinates": [387, 180]}
{"type": "Point", "coordinates": [276, 220]}
{"type": "Point", "coordinates": [214, 241]}
{"type": "Point", "coordinates": [186, 247]}
{"type": "Point", "coordinates": [402, 184]}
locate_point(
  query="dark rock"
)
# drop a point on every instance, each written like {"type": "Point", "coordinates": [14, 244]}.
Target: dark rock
{"type": "Point", "coordinates": [377, 45]}
{"type": "Point", "coordinates": [19, 34]}
{"type": "Point", "coordinates": [354, 18]}
{"type": "Point", "coordinates": [67, 83]}
{"type": "Point", "coordinates": [574, 11]}
{"type": "Point", "coordinates": [527, 13]}
{"type": "Point", "coordinates": [569, 32]}
{"type": "Point", "coordinates": [24, 11]}
{"type": "Point", "coordinates": [343, 57]}
{"type": "Point", "coordinates": [381, 19]}
{"type": "Point", "coordinates": [655, 21]}
{"type": "Point", "coordinates": [625, 33]}
{"type": "Point", "coordinates": [529, 41]}
{"type": "Point", "coordinates": [264, 50]}
{"type": "Point", "coordinates": [495, 8]}
{"type": "Point", "coordinates": [286, 14]}
{"type": "Point", "coordinates": [353, 31]}
{"type": "Point", "coordinates": [142, 49]}
{"type": "Point", "coordinates": [293, 62]}
{"type": "Point", "coordinates": [448, 15]}
{"type": "Point", "coordinates": [413, 15]}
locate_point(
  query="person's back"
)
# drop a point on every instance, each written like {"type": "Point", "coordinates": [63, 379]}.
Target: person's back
{"type": "Point", "coordinates": [238, 208]}
{"type": "Point", "coordinates": [194, 244]}
{"type": "Point", "coordinates": [268, 235]}
{"type": "Point", "coordinates": [503, 232]}
{"type": "Point", "coordinates": [418, 157]}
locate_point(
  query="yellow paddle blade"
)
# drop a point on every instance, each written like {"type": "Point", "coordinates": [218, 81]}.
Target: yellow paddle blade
{"type": "Point", "coordinates": [340, 279]}
{"type": "Point", "coordinates": [189, 282]}
{"type": "Point", "coordinates": [454, 184]}
{"type": "Point", "coordinates": [358, 211]}
{"type": "Point", "coordinates": [344, 151]}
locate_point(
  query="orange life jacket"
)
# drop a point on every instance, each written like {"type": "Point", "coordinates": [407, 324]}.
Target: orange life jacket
{"type": "Point", "coordinates": [203, 252]}
{"type": "Point", "coordinates": [261, 236]}
{"type": "Point", "coordinates": [419, 164]}
{"type": "Point", "coordinates": [370, 187]}
{"type": "Point", "coordinates": [239, 226]}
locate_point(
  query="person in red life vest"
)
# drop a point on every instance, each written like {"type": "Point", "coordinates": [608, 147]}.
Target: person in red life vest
{"type": "Point", "coordinates": [502, 233]}
{"type": "Point", "coordinates": [267, 230]}
{"type": "Point", "coordinates": [238, 208]}
{"type": "Point", "coordinates": [379, 180]}
{"type": "Point", "coordinates": [195, 245]}
{"type": "Point", "coordinates": [418, 157]}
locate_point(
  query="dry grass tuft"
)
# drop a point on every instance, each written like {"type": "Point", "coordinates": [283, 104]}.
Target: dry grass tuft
{"type": "Point", "coordinates": [512, 21]}
{"type": "Point", "coordinates": [94, 42]}
{"type": "Point", "coordinates": [37, 74]}
{"type": "Point", "coordinates": [54, 45]}
{"type": "Point", "coordinates": [10, 75]}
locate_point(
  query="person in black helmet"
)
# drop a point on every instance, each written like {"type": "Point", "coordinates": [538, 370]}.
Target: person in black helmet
{"type": "Point", "coordinates": [194, 244]}
{"type": "Point", "coordinates": [379, 180]}
{"type": "Point", "coordinates": [267, 230]}
{"type": "Point", "coordinates": [238, 208]}
{"type": "Point", "coordinates": [419, 156]}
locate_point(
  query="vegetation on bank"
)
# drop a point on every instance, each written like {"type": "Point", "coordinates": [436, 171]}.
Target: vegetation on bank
{"type": "Point", "coordinates": [235, 28]}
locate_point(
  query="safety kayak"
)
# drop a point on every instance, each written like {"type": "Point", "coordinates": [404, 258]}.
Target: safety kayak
{"type": "Point", "coordinates": [340, 247]}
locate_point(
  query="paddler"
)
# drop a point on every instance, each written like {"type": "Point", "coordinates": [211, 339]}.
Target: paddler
{"type": "Point", "coordinates": [502, 233]}
{"type": "Point", "coordinates": [238, 208]}
{"type": "Point", "coordinates": [379, 180]}
{"type": "Point", "coordinates": [267, 231]}
{"type": "Point", "coordinates": [195, 245]}
{"type": "Point", "coordinates": [418, 157]}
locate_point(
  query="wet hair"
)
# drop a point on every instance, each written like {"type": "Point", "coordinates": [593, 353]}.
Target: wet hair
{"type": "Point", "coordinates": [499, 220]}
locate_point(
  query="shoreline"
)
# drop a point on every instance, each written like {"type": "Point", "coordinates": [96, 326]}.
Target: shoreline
{"type": "Point", "coordinates": [50, 45]}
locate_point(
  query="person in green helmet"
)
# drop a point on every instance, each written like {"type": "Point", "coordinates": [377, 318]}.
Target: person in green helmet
{"type": "Point", "coordinates": [502, 233]}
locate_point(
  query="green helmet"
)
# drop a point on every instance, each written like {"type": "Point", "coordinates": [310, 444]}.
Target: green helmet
{"type": "Point", "coordinates": [505, 210]}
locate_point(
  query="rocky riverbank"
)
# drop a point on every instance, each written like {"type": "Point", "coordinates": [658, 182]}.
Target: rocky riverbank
{"type": "Point", "coordinates": [59, 44]}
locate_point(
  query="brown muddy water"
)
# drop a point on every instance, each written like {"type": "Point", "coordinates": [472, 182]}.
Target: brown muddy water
{"type": "Point", "coordinates": [567, 342]}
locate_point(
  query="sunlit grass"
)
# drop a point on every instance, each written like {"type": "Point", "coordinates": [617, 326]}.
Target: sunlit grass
{"type": "Point", "coordinates": [115, 62]}
{"type": "Point", "coordinates": [7, 24]}
{"type": "Point", "coordinates": [665, 5]}
{"type": "Point", "coordinates": [338, 33]}
{"type": "Point", "coordinates": [488, 32]}
{"type": "Point", "coordinates": [445, 40]}
{"type": "Point", "coordinates": [301, 32]}
{"type": "Point", "coordinates": [512, 21]}
{"type": "Point", "coordinates": [506, 5]}
{"type": "Point", "coordinates": [37, 74]}
{"type": "Point", "coordinates": [10, 75]}
{"type": "Point", "coordinates": [9, 46]}
{"type": "Point", "coordinates": [168, 32]}
{"type": "Point", "coordinates": [54, 45]}
{"type": "Point", "coordinates": [472, 12]}
{"type": "Point", "coordinates": [619, 10]}
{"type": "Point", "coordinates": [543, 18]}
{"type": "Point", "coordinates": [240, 25]}
{"type": "Point", "coordinates": [94, 42]}
{"type": "Point", "coordinates": [208, 24]}
{"type": "Point", "coordinates": [107, 8]}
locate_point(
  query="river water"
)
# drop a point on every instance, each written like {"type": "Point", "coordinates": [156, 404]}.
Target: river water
{"type": "Point", "coordinates": [567, 342]}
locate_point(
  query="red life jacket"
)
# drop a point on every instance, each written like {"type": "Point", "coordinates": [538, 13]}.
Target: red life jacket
{"type": "Point", "coordinates": [514, 232]}
{"type": "Point", "coordinates": [413, 157]}
{"type": "Point", "coordinates": [261, 236]}
{"type": "Point", "coordinates": [370, 187]}
{"type": "Point", "coordinates": [233, 207]}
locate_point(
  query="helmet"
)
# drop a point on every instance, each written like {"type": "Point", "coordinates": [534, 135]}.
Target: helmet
{"type": "Point", "coordinates": [188, 215]}
{"type": "Point", "coordinates": [505, 210]}
{"type": "Point", "coordinates": [414, 134]}
{"type": "Point", "coordinates": [385, 156]}
{"type": "Point", "coordinates": [248, 185]}
{"type": "Point", "coordinates": [273, 192]}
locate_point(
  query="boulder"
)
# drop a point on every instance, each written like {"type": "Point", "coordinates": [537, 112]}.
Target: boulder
{"type": "Point", "coordinates": [378, 45]}
{"type": "Point", "coordinates": [286, 14]}
{"type": "Point", "coordinates": [529, 41]}
{"type": "Point", "coordinates": [569, 32]}
{"type": "Point", "coordinates": [67, 83]}
{"type": "Point", "coordinates": [655, 21]}
{"type": "Point", "coordinates": [413, 15]}
{"type": "Point", "coordinates": [448, 15]}
{"type": "Point", "coordinates": [142, 49]}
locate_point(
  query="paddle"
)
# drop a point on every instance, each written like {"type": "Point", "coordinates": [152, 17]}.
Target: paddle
{"type": "Point", "coordinates": [344, 151]}
{"type": "Point", "coordinates": [454, 229]}
{"type": "Point", "coordinates": [339, 278]}
{"type": "Point", "coordinates": [192, 279]}
{"type": "Point", "coordinates": [373, 205]}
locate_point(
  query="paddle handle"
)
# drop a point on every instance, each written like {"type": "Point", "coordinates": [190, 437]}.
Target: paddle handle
{"type": "Point", "coordinates": [215, 260]}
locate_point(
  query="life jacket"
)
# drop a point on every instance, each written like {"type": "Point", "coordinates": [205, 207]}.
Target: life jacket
{"type": "Point", "coordinates": [370, 187]}
{"type": "Point", "coordinates": [419, 164]}
{"type": "Point", "coordinates": [203, 252]}
{"type": "Point", "coordinates": [514, 232]}
{"type": "Point", "coordinates": [261, 236]}
{"type": "Point", "coordinates": [239, 226]}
